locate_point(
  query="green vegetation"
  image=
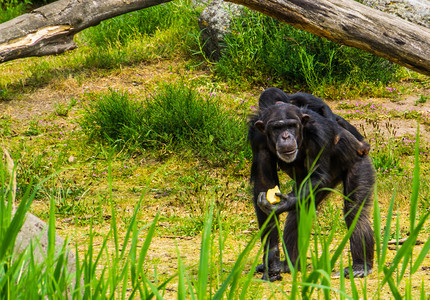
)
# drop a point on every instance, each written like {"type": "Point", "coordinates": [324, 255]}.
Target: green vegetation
{"type": "Point", "coordinates": [125, 273]}
{"type": "Point", "coordinates": [12, 8]}
{"type": "Point", "coordinates": [422, 99]}
{"type": "Point", "coordinates": [161, 31]}
{"type": "Point", "coordinates": [134, 146]}
{"type": "Point", "coordinates": [127, 39]}
{"type": "Point", "coordinates": [176, 119]}
{"type": "Point", "coordinates": [119, 31]}
{"type": "Point", "coordinates": [264, 51]}
{"type": "Point", "coordinates": [259, 51]}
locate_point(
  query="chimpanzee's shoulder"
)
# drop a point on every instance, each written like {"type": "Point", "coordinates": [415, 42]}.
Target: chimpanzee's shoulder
{"type": "Point", "coordinates": [318, 131]}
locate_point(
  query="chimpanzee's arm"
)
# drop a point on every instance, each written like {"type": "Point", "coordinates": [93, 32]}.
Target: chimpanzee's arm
{"type": "Point", "coordinates": [264, 176]}
{"type": "Point", "coordinates": [264, 173]}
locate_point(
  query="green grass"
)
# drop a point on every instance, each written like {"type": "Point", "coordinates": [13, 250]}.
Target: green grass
{"type": "Point", "coordinates": [263, 51]}
{"type": "Point", "coordinates": [124, 271]}
{"type": "Point", "coordinates": [119, 31]}
{"type": "Point", "coordinates": [422, 99]}
{"type": "Point", "coordinates": [12, 8]}
{"type": "Point", "coordinates": [259, 52]}
{"type": "Point", "coordinates": [159, 32]}
{"type": "Point", "coordinates": [107, 179]}
{"type": "Point", "coordinates": [174, 120]}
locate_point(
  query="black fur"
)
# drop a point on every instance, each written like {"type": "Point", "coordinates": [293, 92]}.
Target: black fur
{"type": "Point", "coordinates": [273, 95]}
{"type": "Point", "coordinates": [316, 136]}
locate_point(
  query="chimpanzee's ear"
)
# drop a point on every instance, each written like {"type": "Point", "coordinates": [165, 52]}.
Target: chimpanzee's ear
{"type": "Point", "coordinates": [305, 119]}
{"type": "Point", "coordinates": [260, 126]}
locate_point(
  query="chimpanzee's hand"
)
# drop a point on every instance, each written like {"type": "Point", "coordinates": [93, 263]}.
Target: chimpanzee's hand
{"type": "Point", "coordinates": [265, 205]}
{"type": "Point", "coordinates": [288, 202]}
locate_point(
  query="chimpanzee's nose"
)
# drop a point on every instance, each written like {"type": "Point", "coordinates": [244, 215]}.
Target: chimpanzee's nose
{"type": "Point", "coordinates": [286, 135]}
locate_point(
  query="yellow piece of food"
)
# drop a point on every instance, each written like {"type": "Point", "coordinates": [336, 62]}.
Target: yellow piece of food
{"type": "Point", "coordinates": [271, 197]}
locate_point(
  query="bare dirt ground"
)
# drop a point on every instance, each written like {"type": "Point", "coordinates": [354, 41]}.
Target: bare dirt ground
{"type": "Point", "coordinates": [399, 126]}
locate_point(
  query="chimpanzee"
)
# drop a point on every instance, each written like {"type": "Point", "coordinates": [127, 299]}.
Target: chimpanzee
{"type": "Point", "coordinates": [292, 138]}
{"type": "Point", "coordinates": [272, 95]}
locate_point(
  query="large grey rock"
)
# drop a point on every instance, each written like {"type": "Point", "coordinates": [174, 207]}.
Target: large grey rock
{"type": "Point", "coordinates": [415, 11]}
{"type": "Point", "coordinates": [35, 231]}
{"type": "Point", "coordinates": [215, 21]}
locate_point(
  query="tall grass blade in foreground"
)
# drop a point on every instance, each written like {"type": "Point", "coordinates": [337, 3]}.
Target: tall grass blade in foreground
{"type": "Point", "coordinates": [202, 277]}
{"type": "Point", "coordinates": [24, 275]}
{"type": "Point", "coordinates": [235, 276]}
{"type": "Point", "coordinates": [122, 274]}
{"type": "Point", "coordinates": [181, 279]}
{"type": "Point", "coordinates": [404, 255]}
{"type": "Point", "coordinates": [234, 286]}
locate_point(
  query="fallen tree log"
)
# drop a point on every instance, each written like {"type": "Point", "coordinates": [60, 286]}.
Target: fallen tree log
{"type": "Point", "coordinates": [353, 24]}
{"type": "Point", "coordinates": [50, 29]}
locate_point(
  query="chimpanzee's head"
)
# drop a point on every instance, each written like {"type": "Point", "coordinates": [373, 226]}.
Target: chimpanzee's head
{"type": "Point", "coordinates": [282, 124]}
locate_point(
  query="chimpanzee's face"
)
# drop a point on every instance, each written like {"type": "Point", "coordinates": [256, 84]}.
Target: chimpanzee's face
{"type": "Point", "coordinates": [282, 124]}
{"type": "Point", "coordinates": [283, 134]}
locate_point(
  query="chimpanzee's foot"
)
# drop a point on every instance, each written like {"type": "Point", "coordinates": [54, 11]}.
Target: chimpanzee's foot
{"type": "Point", "coordinates": [284, 267]}
{"type": "Point", "coordinates": [259, 268]}
{"type": "Point", "coordinates": [272, 274]}
{"type": "Point", "coordinates": [358, 271]}
{"type": "Point", "coordinates": [272, 277]}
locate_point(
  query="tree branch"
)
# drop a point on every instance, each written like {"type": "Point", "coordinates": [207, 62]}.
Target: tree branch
{"type": "Point", "coordinates": [50, 28]}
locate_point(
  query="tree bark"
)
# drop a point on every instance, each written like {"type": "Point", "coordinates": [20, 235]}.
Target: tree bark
{"type": "Point", "coordinates": [50, 28]}
{"type": "Point", "coordinates": [353, 24]}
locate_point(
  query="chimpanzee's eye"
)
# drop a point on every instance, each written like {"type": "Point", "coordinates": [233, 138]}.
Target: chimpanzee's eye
{"type": "Point", "coordinates": [279, 126]}
{"type": "Point", "coordinates": [282, 125]}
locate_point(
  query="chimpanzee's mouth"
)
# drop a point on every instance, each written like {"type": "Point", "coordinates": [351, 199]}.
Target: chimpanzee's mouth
{"type": "Point", "coordinates": [288, 156]}
{"type": "Point", "coordinates": [291, 152]}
